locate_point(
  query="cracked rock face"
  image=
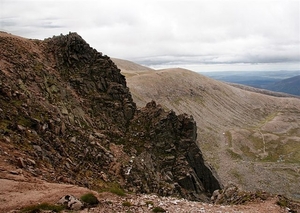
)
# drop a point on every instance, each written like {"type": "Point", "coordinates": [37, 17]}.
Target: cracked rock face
{"type": "Point", "coordinates": [66, 108]}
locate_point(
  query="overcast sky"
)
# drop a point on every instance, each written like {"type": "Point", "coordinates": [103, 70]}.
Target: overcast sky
{"type": "Point", "coordinates": [201, 35]}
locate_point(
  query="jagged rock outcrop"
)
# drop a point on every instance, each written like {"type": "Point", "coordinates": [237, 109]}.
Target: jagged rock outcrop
{"type": "Point", "coordinates": [232, 195]}
{"type": "Point", "coordinates": [166, 158]}
{"type": "Point", "coordinates": [67, 111]}
{"type": "Point", "coordinates": [95, 78]}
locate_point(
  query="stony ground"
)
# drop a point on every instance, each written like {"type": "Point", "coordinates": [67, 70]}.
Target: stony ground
{"type": "Point", "coordinates": [17, 194]}
{"type": "Point", "coordinates": [147, 203]}
{"type": "Point", "coordinates": [19, 189]}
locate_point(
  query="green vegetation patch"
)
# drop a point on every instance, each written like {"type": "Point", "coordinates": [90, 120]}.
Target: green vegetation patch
{"type": "Point", "coordinates": [158, 209]}
{"type": "Point", "coordinates": [286, 152]}
{"type": "Point", "coordinates": [148, 203]}
{"type": "Point", "coordinates": [267, 119]}
{"type": "Point", "coordinates": [127, 203]}
{"type": "Point", "coordinates": [288, 203]}
{"type": "Point", "coordinates": [247, 152]}
{"type": "Point", "coordinates": [114, 188]}
{"type": "Point", "coordinates": [43, 206]}
{"type": "Point", "coordinates": [118, 191]}
{"type": "Point", "coordinates": [257, 141]}
{"type": "Point", "coordinates": [236, 174]}
{"type": "Point", "coordinates": [90, 199]}
{"type": "Point", "coordinates": [234, 155]}
{"type": "Point", "coordinates": [229, 138]}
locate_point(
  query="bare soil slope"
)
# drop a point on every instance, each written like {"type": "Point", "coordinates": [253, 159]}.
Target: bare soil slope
{"type": "Point", "coordinates": [251, 139]}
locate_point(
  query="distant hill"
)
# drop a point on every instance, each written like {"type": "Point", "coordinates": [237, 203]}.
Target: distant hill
{"type": "Point", "coordinates": [251, 138]}
{"type": "Point", "coordinates": [263, 91]}
{"type": "Point", "coordinates": [289, 85]}
{"type": "Point", "coordinates": [129, 66]}
{"type": "Point", "coordinates": [269, 80]}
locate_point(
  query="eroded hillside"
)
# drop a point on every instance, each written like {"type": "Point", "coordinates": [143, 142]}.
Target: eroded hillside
{"type": "Point", "coordinates": [66, 115]}
{"type": "Point", "coordinates": [251, 139]}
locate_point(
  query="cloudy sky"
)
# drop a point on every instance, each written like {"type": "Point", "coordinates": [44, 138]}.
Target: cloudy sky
{"type": "Point", "coordinates": [201, 35]}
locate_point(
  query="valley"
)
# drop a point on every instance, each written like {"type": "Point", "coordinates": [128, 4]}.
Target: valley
{"type": "Point", "coordinates": [250, 138]}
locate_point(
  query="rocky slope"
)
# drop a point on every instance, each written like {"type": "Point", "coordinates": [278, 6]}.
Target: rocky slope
{"type": "Point", "coordinates": [66, 115]}
{"type": "Point", "coordinates": [19, 188]}
{"type": "Point", "coordinates": [251, 139]}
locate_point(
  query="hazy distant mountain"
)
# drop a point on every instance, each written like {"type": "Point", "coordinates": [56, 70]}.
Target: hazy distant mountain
{"type": "Point", "coordinates": [270, 80]}
{"type": "Point", "coordinates": [289, 85]}
{"type": "Point", "coordinates": [251, 139]}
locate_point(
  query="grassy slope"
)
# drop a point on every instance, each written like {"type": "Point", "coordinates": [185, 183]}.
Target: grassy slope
{"type": "Point", "coordinates": [251, 139]}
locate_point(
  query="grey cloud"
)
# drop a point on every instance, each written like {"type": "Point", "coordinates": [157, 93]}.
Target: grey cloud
{"type": "Point", "coordinates": [49, 23]}
{"type": "Point", "coordinates": [196, 60]}
{"type": "Point", "coordinates": [167, 32]}
{"type": "Point", "coordinates": [7, 22]}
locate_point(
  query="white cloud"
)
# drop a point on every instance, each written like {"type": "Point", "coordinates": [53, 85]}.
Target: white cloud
{"type": "Point", "coordinates": [186, 33]}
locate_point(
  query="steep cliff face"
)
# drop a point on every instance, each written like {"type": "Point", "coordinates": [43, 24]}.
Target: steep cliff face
{"type": "Point", "coordinates": [69, 117]}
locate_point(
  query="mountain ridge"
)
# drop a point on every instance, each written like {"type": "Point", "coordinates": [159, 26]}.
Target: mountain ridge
{"type": "Point", "coordinates": [67, 113]}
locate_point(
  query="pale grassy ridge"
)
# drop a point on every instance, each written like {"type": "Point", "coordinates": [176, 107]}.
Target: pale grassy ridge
{"type": "Point", "coordinates": [251, 139]}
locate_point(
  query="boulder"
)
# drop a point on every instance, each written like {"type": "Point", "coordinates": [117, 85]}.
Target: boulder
{"type": "Point", "coordinates": [71, 202]}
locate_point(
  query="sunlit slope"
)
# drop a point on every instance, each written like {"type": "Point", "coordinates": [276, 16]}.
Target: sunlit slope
{"type": "Point", "coordinates": [250, 138]}
{"type": "Point", "coordinates": [130, 66]}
